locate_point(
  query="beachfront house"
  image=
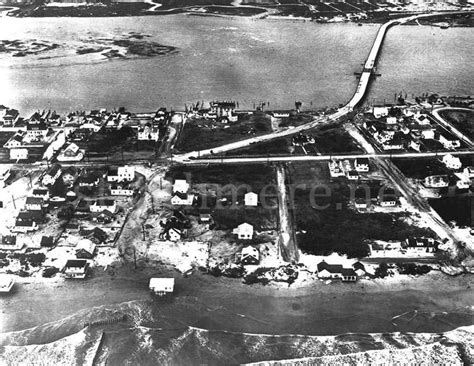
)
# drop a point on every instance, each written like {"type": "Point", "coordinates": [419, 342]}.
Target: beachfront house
{"type": "Point", "coordinates": [76, 268]}
{"type": "Point", "coordinates": [436, 181]}
{"type": "Point", "coordinates": [380, 111]}
{"type": "Point", "coordinates": [336, 271]}
{"type": "Point", "coordinates": [162, 286]}
{"type": "Point", "coordinates": [244, 231]}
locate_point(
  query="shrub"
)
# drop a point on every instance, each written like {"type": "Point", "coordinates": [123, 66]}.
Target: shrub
{"type": "Point", "coordinates": [50, 272]}
{"type": "Point", "coordinates": [381, 271]}
{"type": "Point", "coordinates": [413, 269]}
{"type": "Point", "coordinates": [36, 259]}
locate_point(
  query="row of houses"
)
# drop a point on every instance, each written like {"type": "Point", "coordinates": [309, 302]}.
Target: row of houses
{"type": "Point", "coordinates": [346, 168]}
{"type": "Point", "coordinates": [406, 129]}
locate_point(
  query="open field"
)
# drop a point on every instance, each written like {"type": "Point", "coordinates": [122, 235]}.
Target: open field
{"type": "Point", "coordinates": [462, 120]}
{"type": "Point", "coordinates": [199, 134]}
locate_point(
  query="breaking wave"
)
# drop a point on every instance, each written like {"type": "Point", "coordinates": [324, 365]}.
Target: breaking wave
{"type": "Point", "coordinates": [137, 333]}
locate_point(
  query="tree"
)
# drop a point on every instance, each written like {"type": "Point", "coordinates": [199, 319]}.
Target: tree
{"type": "Point", "coordinates": [66, 212]}
{"type": "Point", "coordinates": [382, 270]}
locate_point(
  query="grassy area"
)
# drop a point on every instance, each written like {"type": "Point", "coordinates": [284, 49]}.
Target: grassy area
{"type": "Point", "coordinates": [199, 134]}
{"type": "Point", "coordinates": [340, 229]}
{"type": "Point", "coordinates": [456, 209]}
{"type": "Point", "coordinates": [420, 168]}
{"type": "Point", "coordinates": [256, 176]}
{"type": "Point", "coordinates": [260, 218]}
{"type": "Point", "coordinates": [335, 140]}
{"type": "Point", "coordinates": [462, 120]}
{"type": "Point", "coordinates": [111, 10]}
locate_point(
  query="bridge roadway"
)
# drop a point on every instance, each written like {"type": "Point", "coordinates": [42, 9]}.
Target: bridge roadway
{"type": "Point", "coordinates": [327, 157]}
{"type": "Point", "coordinates": [358, 96]}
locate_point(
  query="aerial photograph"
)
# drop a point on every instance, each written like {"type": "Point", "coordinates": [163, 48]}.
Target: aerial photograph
{"type": "Point", "coordinates": [236, 182]}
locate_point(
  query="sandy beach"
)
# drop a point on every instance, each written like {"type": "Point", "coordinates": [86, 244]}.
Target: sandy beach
{"type": "Point", "coordinates": [432, 303]}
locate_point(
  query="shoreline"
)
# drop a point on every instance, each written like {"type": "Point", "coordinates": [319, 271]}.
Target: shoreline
{"type": "Point", "coordinates": [315, 308]}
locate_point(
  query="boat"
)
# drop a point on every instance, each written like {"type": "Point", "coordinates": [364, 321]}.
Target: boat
{"type": "Point", "coordinates": [6, 283]}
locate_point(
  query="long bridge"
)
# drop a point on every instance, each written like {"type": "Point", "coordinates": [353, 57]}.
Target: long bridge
{"type": "Point", "coordinates": [361, 91]}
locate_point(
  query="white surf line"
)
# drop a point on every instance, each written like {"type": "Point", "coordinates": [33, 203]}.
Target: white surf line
{"type": "Point", "coordinates": [155, 5]}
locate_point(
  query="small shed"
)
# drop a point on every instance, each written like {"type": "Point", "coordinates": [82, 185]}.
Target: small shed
{"type": "Point", "coordinates": [162, 286]}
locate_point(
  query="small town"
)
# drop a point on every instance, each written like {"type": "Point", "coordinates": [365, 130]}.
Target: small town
{"type": "Point", "coordinates": [91, 190]}
{"type": "Point", "coordinates": [225, 183]}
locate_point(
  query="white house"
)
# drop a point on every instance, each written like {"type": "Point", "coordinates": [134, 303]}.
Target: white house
{"type": "Point", "coordinates": [249, 255]}
{"type": "Point", "coordinates": [161, 286]}
{"type": "Point", "coordinates": [182, 199]}
{"type": "Point", "coordinates": [362, 165]}
{"type": "Point", "coordinates": [380, 111]}
{"type": "Point", "coordinates": [387, 201]}
{"type": "Point", "coordinates": [34, 203]}
{"type": "Point", "coordinates": [336, 271]}
{"type": "Point", "coordinates": [244, 231]}
{"type": "Point", "coordinates": [181, 186]}
{"type": "Point", "coordinates": [71, 153]}
{"type": "Point", "coordinates": [19, 154]}
{"type": "Point", "coordinates": [469, 172]}
{"type": "Point", "coordinates": [174, 234]}
{"type": "Point", "coordinates": [102, 205]}
{"type": "Point", "coordinates": [415, 145]}
{"type": "Point", "coordinates": [419, 246]}
{"type": "Point", "coordinates": [436, 181]}
{"type": "Point", "coordinates": [148, 133]}
{"type": "Point", "coordinates": [335, 169]}
{"type": "Point", "coordinates": [126, 173]}
{"type": "Point", "coordinates": [76, 268]}
{"type": "Point", "coordinates": [422, 119]}
{"type": "Point", "coordinates": [52, 175]}
{"type": "Point", "coordinates": [391, 120]}
{"type": "Point", "coordinates": [449, 142]}
{"type": "Point", "coordinates": [452, 162]}
{"type": "Point", "coordinates": [251, 199]}
{"type": "Point", "coordinates": [121, 190]}
{"type": "Point", "coordinates": [15, 141]}
{"type": "Point", "coordinates": [24, 226]}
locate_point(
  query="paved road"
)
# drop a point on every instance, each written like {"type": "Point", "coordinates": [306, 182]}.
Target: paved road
{"type": "Point", "coordinates": [327, 157]}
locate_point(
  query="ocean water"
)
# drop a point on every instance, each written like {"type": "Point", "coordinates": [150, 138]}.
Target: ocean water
{"type": "Point", "coordinates": [276, 61]}
{"type": "Point", "coordinates": [146, 338]}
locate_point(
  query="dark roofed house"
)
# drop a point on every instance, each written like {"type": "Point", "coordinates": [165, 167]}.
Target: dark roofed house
{"type": "Point", "coordinates": [34, 203]}
{"type": "Point", "coordinates": [76, 268]}
{"type": "Point", "coordinates": [47, 241]}
{"type": "Point", "coordinates": [37, 216]}
{"type": "Point", "coordinates": [105, 217]}
{"type": "Point", "coordinates": [336, 271]}
{"type": "Point", "coordinates": [9, 242]}
{"type": "Point", "coordinates": [41, 193]}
